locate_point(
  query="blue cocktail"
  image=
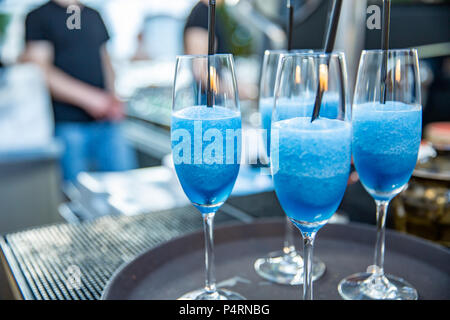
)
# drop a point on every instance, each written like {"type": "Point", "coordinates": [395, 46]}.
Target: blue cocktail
{"type": "Point", "coordinates": [385, 145]}
{"type": "Point", "coordinates": [311, 168]}
{"type": "Point", "coordinates": [284, 266]}
{"type": "Point", "coordinates": [387, 122]}
{"type": "Point", "coordinates": [208, 165]}
{"type": "Point", "coordinates": [310, 158]}
{"type": "Point", "coordinates": [206, 146]}
{"type": "Point", "coordinates": [289, 108]}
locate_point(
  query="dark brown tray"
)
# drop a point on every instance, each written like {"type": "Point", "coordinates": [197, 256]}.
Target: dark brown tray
{"type": "Point", "coordinates": [173, 268]}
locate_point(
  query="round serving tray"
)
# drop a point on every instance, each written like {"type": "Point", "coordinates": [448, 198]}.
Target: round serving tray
{"type": "Point", "coordinates": [176, 267]}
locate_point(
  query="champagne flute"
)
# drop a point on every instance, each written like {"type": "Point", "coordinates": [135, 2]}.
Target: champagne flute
{"type": "Point", "coordinates": [283, 266]}
{"type": "Point", "coordinates": [310, 160]}
{"type": "Point", "coordinates": [387, 122]}
{"type": "Point", "coordinates": [206, 145]}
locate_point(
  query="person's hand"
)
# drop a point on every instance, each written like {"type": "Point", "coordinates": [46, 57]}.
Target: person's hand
{"type": "Point", "coordinates": [99, 104]}
{"type": "Point", "coordinates": [104, 106]}
{"type": "Point", "coordinates": [116, 110]}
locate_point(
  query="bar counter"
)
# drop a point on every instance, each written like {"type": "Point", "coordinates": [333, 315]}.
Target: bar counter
{"type": "Point", "coordinates": [75, 261]}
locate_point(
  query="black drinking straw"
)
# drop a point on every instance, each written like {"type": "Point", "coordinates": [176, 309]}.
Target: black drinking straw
{"type": "Point", "coordinates": [329, 44]}
{"type": "Point", "coordinates": [385, 47]}
{"type": "Point", "coordinates": [211, 33]}
{"type": "Point", "coordinates": [291, 18]}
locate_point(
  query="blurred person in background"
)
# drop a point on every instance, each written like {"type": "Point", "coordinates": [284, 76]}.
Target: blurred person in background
{"type": "Point", "coordinates": [196, 39]}
{"type": "Point", "coordinates": [80, 78]}
{"type": "Point", "coordinates": [196, 30]}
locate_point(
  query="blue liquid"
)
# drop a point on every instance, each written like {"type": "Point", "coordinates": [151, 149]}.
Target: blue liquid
{"type": "Point", "coordinates": [288, 108]}
{"type": "Point", "coordinates": [206, 174]}
{"type": "Point", "coordinates": [386, 140]}
{"type": "Point", "coordinates": [313, 167]}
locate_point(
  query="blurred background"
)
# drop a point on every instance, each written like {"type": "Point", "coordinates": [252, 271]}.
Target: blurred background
{"type": "Point", "coordinates": [123, 130]}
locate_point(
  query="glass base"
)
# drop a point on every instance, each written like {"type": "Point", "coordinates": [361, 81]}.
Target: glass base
{"type": "Point", "coordinates": [286, 269]}
{"type": "Point", "coordinates": [368, 286]}
{"type": "Point", "coordinates": [220, 294]}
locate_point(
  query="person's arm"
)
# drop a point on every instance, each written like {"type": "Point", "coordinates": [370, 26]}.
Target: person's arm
{"type": "Point", "coordinates": [117, 108]}
{"type": "Point", "coordinates": [108, 70]}
{"type": "Point", "coordinates": [64, 87]}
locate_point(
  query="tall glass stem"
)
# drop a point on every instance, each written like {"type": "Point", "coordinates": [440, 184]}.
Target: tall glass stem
{"type": "Point", "coordinates": [289, 244]}
{"type": "Point", "coordinates": [308, 246]}
{"type": "Point", "coordinates": [382, 207]}
{"type": "Point", "coordinates": [210, 281]}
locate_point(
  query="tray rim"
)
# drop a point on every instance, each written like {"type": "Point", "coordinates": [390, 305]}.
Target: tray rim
{"type": "Point", "coordinates": [262, 221]}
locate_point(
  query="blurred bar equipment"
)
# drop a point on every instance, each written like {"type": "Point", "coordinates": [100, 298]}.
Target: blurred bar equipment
{"type": "Point", "coordinates": [270, 18]}
{"type": "Point", "coordinates": [423, 208]}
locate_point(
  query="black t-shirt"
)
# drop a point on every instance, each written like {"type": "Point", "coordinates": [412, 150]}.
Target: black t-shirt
{"type": "Point", "coordinates": [199, 18]}
{"type": "Point", "coordinates": [76, 51]}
